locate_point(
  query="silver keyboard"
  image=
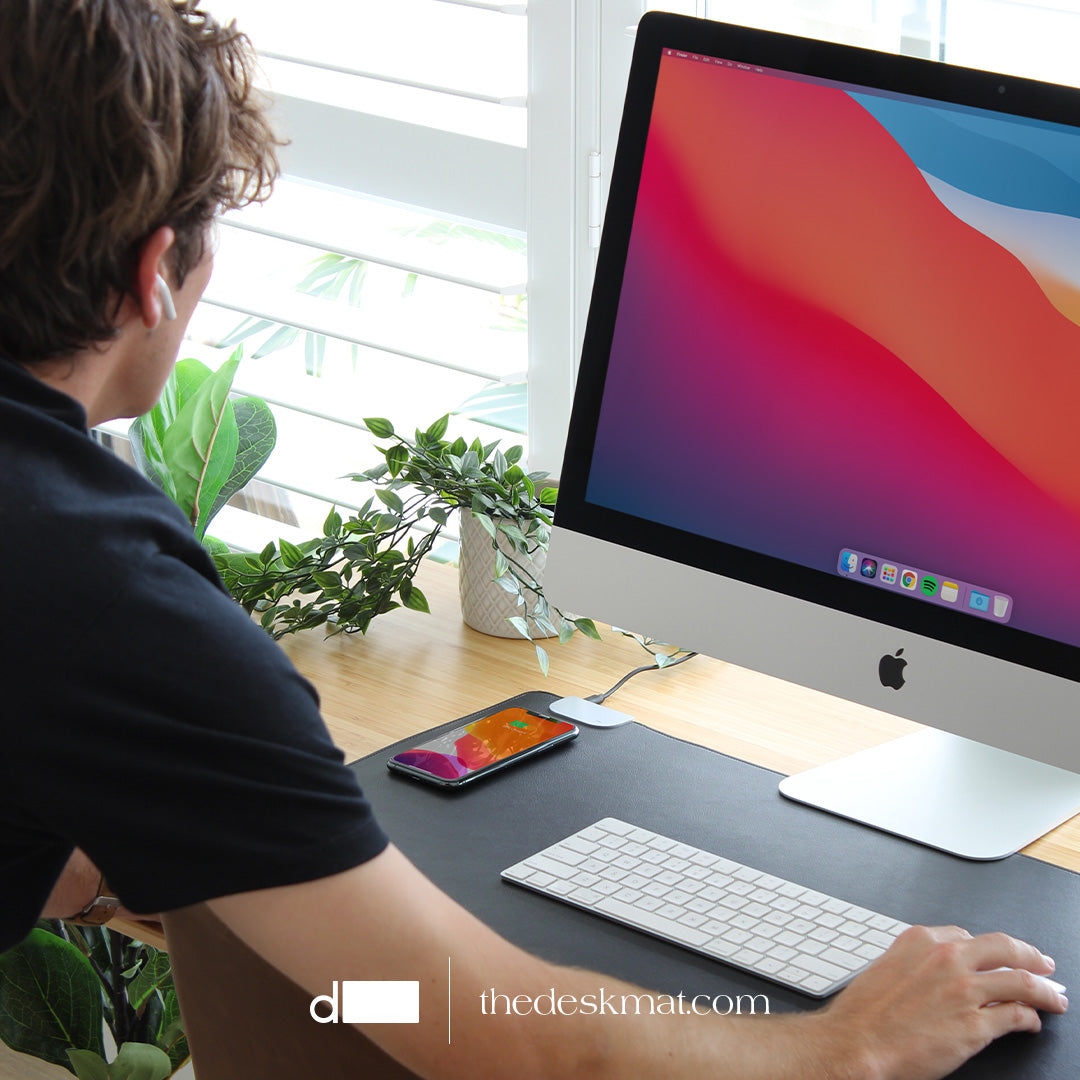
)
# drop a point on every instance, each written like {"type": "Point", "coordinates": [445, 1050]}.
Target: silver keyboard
{"type": "Point", "coordinates": [763, 924]}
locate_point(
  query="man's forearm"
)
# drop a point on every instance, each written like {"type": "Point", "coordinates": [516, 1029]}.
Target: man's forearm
{"type": "Point", "coordinates": [578, 1024]}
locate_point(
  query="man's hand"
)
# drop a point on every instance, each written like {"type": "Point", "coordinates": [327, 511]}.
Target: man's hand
{"type": "Point", "coordinates": [916, 1014]}
{"type": "Point", "coordinates": [936, 998]}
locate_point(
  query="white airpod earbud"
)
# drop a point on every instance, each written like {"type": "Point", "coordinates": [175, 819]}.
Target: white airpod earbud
{"type": "Point", "coordinates": [168, 308]}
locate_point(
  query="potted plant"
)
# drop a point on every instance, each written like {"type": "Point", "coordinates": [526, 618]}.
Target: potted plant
{"type": "Point", "coordinates": [363, 566]}
{"type": "Point", "coordinates": [63, 984]}
{"type": "Point", "coordinates": [200, 446]}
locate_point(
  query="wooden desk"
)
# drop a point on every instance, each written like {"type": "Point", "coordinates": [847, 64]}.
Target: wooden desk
{"type": "Point", "coordinates": [413, 671]}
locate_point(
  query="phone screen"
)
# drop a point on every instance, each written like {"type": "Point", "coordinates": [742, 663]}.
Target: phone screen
{"type": "Point", "coordinates": [483, 745]}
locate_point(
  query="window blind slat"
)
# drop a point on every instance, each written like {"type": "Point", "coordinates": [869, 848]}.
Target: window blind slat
{"type": "Point", "coordinates": [510, 100]}
{"type": "Point", "coordinates": [453, 175]}
{"type": "Point", "coordinates": [512, 288]}
{"type": "Point", "coordinates": [491, 5]}
{"type": "Point", "coordinates": [257, 312]}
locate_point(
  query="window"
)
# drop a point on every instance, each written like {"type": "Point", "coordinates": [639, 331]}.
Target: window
{"type": "Point", "coordinates": [389, 273]}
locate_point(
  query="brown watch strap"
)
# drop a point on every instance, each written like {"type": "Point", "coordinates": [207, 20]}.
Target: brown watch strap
{"type": "Point", "coordinates": [100, 910]}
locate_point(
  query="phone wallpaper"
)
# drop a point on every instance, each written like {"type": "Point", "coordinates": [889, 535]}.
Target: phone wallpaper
{"type": "Point", "coordinates": [484, 742]}
{"type": "Point", "coordinates": [852, 321]}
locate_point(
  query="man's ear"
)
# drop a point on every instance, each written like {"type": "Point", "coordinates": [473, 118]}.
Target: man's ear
{"type": "Point", "coordinates": [151, 265]}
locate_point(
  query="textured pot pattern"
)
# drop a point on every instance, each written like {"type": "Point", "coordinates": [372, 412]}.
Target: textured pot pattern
{"type": "Point", "coordinates": [486, 606]}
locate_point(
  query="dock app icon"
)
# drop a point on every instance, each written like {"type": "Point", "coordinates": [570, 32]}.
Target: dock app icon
{"type": "Point", "coordinates": [373, 1002]}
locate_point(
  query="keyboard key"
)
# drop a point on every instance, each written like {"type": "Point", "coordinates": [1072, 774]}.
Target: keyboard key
{"type": "Point", "coordinates": [875, 937]}
{"type": "Point", "coordinates": [816, 966]}
{"type": "Point", "coordinates": [584, 896]}
{"type": "Point", "coordinates": [651, 920]}
{"type": "Point", "coordinates": [842, 959]}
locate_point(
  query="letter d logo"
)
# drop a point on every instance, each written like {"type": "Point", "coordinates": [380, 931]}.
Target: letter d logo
{"type": "Point", "coordinates": [332, 997]}
{"type": "Point", "coordinates": [370, 1003]}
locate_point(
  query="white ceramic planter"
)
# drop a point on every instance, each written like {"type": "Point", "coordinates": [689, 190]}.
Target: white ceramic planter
{"type": "Point", "coordinates": [486, 606]}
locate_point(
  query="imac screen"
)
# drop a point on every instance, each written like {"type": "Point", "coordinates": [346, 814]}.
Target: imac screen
{"type": "Point", "coordinates": [848, 338]}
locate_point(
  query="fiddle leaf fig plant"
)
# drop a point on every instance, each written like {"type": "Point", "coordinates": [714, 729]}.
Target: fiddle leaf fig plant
{"type": "Point", "coordinates": [62, 983]}
{"type": "Point", "coordinates": [363, 565]}
{"type": "Point", "coordinates": [198, 445]}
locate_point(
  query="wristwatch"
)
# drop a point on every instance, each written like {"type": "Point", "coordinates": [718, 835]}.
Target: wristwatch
{"type": "Point", "coordinates": [100, 910]}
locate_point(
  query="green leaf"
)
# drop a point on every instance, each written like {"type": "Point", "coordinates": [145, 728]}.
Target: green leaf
{"type": "Point", "coordinates": [215, 546]}
{"type": "Point", "coordinates": [438, 429]}
{"type": "Point", "coordinates": [201, 446]}
{"type": "Point", "coordinates": [486, 522]}
{"type": "Point", "coordinates": [50, 999]}
{"type": "Point", "coordinates": [413, 598]}
{"type": "Point", "coordinates": [501, 405]}
{"type": "Point", "coordinates": [326, 579]}
{"type": "Point", "coordinates": [171, 1036]}
{"type": "Point", "coordinates": [281, 338]}
{"type": "Point", "coordinates": [390, 499]}
{"type": "Point", "coordinates": [566, 631]}
{"type": "Point", "coordinates": [87, 1065]}
{"type": "Point", "coordinates": [190, 375]}
{"type": "Point", "coordinates": [325, 266]}
{"type": "Point", "coordinates": [548, 496]}
{"type": "Point", "coordinates": [290, 553]}
{"type": "Point", "coordinates": [155, 972]}
{"type": "Point", "coordinates": [332, 524]}
{"type": "Point", "coordinates": [146, 449]}
{"type": "Point", "coordinates": [437, 514]}
{"type": "Point", "coordinates": [248, 328]}
{"type": "Point", "coordinates": [140, 1061]}
{"type": "Point", "coordinates": [513, 455]}
{"type": "Point", "coordinates": [396, 458]}
{"type": "Point", "coordinates": [514, 533]}
{"type": "Point", "coordinates": [380, 428]}
{"type": "Point", "coordinates": [588, 628]}
{"type": "Point", "coordinates": [520, 625]}
{"type": "Point", "coordinates": [502, 563]}
{"type": "Point", "coordinates": [543, 660]}
{"type": "Point", "coordinates": [256, 437]}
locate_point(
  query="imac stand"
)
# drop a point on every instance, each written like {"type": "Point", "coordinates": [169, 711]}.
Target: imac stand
{"type": "Point", "coordinates": [944, 791]}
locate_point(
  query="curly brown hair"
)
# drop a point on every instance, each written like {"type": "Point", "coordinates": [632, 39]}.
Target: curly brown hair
{"type": "Point", "coordinates": [116, 117]}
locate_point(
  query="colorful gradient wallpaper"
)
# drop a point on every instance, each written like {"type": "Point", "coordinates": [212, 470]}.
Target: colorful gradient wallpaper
{"type": "Point", "coordinates": [484, 742]}
{"type": "Point", "coordinates": [853, 321]}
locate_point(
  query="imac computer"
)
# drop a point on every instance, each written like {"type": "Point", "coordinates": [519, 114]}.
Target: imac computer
{"type": "Point", "coordinates": [827, 419]}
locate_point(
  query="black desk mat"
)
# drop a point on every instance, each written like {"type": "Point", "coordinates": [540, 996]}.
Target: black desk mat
{"type": "Point", "coordinates": [463, 839]}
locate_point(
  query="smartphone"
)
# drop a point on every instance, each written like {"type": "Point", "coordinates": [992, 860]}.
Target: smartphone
{"type": "Point", "coordinates": [483, 746]}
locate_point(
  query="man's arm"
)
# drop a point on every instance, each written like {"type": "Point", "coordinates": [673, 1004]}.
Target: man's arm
{"type": "Point", "coordinates": [919, 1012]}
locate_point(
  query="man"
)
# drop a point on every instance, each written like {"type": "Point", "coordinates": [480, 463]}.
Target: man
{"type": "Point", "coordinates": [152, 731]}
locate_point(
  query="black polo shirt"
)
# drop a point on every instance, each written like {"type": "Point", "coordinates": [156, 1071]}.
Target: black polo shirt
{"type": "Point", "coordinates": [143, 716]}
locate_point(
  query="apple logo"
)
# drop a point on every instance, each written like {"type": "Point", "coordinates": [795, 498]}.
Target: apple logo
{"type": "Point", "coordinates": [891, 670]}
